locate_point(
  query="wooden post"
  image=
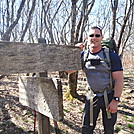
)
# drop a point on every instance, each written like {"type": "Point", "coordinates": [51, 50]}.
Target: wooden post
{"type": "Point", "coordinates": [43, 124]}
{"type": "Point", "coordinates": [59, 87]}
{"type": "Point", "coordinates": [42, 120]}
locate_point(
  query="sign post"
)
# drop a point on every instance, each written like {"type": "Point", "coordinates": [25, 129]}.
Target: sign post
{"type": "Point", "coordinates": [40, 92]}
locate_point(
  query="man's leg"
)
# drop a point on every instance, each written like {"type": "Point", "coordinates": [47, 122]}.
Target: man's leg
{"type": "Point", "coordinates": [86, 128]}
{"type": "Point", "coordinates": [109, 123]}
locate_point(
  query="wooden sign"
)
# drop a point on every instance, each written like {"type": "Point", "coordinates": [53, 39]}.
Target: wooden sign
{"type": "Point", "coordinates": [42, 94]}
{"type": "Point", "coordinates": [16, 57]}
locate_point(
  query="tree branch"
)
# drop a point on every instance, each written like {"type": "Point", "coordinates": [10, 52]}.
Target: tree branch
{"type": "Point", "coordinates": [6, 35]}
{"type": "Point", "coordinates": [29, 20]}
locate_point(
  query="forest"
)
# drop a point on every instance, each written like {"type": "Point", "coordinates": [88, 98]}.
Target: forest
{"type": "Point", "coordinates": [66, 22]}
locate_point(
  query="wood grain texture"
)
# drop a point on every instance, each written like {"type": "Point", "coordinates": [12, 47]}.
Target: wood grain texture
{"type": "Point", "coordinates": [16, 57]}
{"type": "Point", "coordinates": [42, 94]}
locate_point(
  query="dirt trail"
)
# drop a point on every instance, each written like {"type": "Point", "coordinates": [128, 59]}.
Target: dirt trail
{"type": "Point", "coordinates": [18, 119]}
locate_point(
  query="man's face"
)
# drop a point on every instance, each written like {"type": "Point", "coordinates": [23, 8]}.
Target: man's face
{"type": "Point", "coordinates": [94, 38]}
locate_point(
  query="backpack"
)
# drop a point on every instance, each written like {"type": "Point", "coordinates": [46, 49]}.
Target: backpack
{"type": "Point", "coordinates": [110, 43]}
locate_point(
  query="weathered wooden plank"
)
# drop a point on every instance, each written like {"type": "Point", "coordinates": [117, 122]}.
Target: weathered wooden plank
{"type": "Point", "coordinates": [16, 57]}
{"type": "Point", "coordinates": [42, 94]}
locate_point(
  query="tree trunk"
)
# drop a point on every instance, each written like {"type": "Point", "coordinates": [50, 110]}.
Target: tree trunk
{"type": "Point", "coordinates": [125, 20]}
{"type": "Point", "coordinates": [72, 78]}
{"type": "Point", "coordinates": [73, 21]}
{"type": "Point", "coordinates": [114, 9]}
{"type": "Point", "coordinates": [29, 20]}
{"type": "Point", "coordinates": [72, 81]}
{"type": "Point", "coordinates": [77, 36]}
{"type": "Point", "coordinates": [6, 35]}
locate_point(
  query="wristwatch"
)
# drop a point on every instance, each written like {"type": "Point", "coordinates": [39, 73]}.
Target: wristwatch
{"type": "Point", "coordinates": [116, 99]}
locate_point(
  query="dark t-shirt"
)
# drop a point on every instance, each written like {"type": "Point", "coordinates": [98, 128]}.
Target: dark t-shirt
{"type": "Point", "coordinates": [100, 73]}
{"type": "Point", "coordinates": [116, 64]}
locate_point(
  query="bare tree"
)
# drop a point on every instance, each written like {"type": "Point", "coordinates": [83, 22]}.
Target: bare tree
{"type": "Point", "coordinates": [73, 20]}
{"type": "Point", "coordinates": [6, 35]}
{"type": "Point", "coordinates": [127, 13]}
{"type": "Point", "coordinates": [114, 6]}
{"type": "Point", "coordinates": [82, 23]}
{"type": "Point", "coordinates": [29, 20]}
{"type": "Point", "coordinates": [127, 25]}
{"type": "Point", "coordinates": [79, 37]}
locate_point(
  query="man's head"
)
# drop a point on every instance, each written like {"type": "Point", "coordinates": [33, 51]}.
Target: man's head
{"type": "Point", "coordinates": [95, 37]}
{"type": "Point", "coordinates": [95, 27]}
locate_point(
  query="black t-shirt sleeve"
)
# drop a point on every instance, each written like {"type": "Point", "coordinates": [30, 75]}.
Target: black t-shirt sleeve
{"type": "Point", "coordinates": [116, 64]}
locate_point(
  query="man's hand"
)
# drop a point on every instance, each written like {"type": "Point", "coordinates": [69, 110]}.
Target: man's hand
{"type": "Point", "coordinates": [113, 106]}
{"type": "Point", "coordinates": [80, 45]}
{"type": "Point", "coordinates": [70, 71]}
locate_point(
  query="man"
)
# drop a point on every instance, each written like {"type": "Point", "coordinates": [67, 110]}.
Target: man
{"type": "Point", "coordinates": [102, 96]}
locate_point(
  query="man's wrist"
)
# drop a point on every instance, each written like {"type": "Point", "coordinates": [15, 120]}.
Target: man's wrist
{"type": "Point", "coordinates": [116, 99]}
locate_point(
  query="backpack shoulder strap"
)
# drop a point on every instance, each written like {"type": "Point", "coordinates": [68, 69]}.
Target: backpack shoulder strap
{"type": "Point", "coordinates": [84, 57]}
{"type": "Point", "coordinates": [106, 52]}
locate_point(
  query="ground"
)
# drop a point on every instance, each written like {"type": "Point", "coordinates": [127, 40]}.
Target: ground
{"type": "Point", "coordinates": [18, 119]}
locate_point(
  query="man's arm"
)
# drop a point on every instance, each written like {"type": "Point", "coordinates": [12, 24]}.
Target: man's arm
{"type": "Point", "coordinates": [118, 77]}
